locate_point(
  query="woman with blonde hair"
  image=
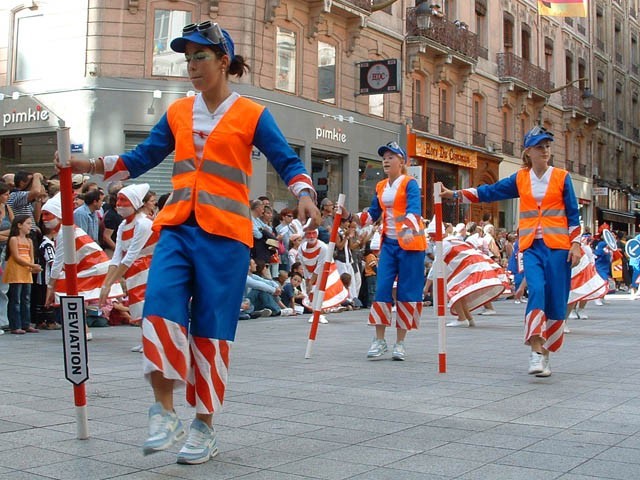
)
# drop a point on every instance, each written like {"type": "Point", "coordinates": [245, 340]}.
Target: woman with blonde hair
{"type": "Point", "coordinates": [549, 230]}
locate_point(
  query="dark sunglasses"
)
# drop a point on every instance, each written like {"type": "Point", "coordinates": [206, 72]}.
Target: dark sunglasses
{"type": "Point", "coordinates": [211, 31]}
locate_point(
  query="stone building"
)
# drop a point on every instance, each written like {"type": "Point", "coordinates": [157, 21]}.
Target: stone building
{"type": "Point", "coordinates": [457, 83]}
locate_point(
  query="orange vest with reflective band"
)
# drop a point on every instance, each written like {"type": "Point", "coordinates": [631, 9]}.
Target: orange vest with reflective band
{"type": "Point", "coordinates": [215, 187]}
{"type": "Point", "coordinates": [399, 209]}
{"type": "Point", "coordinates": [550, 215]}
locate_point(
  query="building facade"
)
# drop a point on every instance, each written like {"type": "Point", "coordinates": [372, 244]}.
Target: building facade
{"type": "Point", "coordinates": [472, 77]}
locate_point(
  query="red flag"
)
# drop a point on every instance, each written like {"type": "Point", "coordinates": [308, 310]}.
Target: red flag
{"type": "Point", "coordinates": [562, 8]}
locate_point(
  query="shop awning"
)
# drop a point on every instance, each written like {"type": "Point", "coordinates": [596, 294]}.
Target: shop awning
{"type": "Point", "coordinates": [617, 216]}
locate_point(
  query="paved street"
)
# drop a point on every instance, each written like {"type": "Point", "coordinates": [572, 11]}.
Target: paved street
{"type": "Point", "coordinates": [339, 416]}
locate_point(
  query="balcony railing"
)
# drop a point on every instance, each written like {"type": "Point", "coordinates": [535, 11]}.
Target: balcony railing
{"type": "Point", "coordinates": [444, 32]}
{"type": "Point", "coordinates": [569, 165]}
{"type": "Point", "coordinates": [582, 169]}
{"type": "Point", "coordinates": [479, 139]}
{"type": "Point", "coordinates": [572, 97]}
{"type": "Point", "coordinates": [619, 125]}
{"type": "Point", "coordinates": [446, 129]}
{"type": "Point", "coordinates": [512, 66]}
{"type": "Point", "coordinates": [420, 122]}
{"type": "Point", "coordinates": [507, 147]}
{"type": "Point", "coordinates": [363, 4]}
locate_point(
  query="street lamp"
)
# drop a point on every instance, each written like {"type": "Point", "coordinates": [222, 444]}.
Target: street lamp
{"type": "Point", "coordinates": [423, 15]}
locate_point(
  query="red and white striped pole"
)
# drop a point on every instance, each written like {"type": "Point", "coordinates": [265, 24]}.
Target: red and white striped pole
{"type": "Point", "coordinates": [321, 285]}
{"type": "Point", "coordinates": [440, 286]}
{"type": "Point", "coordinates": [70, 267]}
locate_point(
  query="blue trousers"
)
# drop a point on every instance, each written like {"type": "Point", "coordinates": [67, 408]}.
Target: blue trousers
{"type": "Point", "coordinates": [548, 276]}
{"type": "Point", "coordinates": [210, 271]}
{"type": "Point", "coordinates": [19, 306]}
{"type": "Point", "coordinates": [407, 266]}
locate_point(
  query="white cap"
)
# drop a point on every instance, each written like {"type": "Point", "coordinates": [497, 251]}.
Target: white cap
{"type": "Point", "coordinates": [135, 194]}
{"type": "Point", "coordinates": [54, 206]}
{"type": "Point", "coordinates": [432, 226]}
{"type": "Point", "coordinates": [459, 227]}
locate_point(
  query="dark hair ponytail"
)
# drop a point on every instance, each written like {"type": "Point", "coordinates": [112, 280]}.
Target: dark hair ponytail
{"type": "Point", "coordinates": [238, 66]}
{"type": "Point", "coordinates": [18, 220]}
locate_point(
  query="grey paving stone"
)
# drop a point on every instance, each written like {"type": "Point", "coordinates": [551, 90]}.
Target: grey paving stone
{"type": "Point", "coordinates": [323, 468]}
{"type": "Point", "coordinates": [366, 455]}
{"type": "Point", "coordinates": [507, 472]}
{"type": "Point", "coordinates": [465, 451]}
{"type": "Point", "coordinates": [548, 461]}
{"type": "Point", "coordinates": [81, 469]}
{"type": "Point", "coordinates": [586, 436]}
{"type": "Point", "coordinates": [435, 465]}
{"type": "Point", "coordinates": [489, 439]}
{"type": "Point", "coordinates": [568, 448]}
{"type": "Point", "coordinates": [382, 473]}
{"type": "Point", "coordinates": [608, 469]}
{"type": "Point", "coordinates": [213, 469]}
{"type": "Point", "coordinates": [619, 454]}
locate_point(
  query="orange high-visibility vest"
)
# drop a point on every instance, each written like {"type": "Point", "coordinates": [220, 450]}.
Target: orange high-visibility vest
{"type": "Point", "coordinates": [550, 215]}
{"type": "Point", "coordinates": [399, 209]}
{"type": "Point", "coordinates": [215, 187]}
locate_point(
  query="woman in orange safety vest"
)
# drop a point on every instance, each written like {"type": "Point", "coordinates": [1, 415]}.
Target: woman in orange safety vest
{"type": "Point", "coordinates": [549, 230]}
{"type": "Point", "coordinates": [194, 291]}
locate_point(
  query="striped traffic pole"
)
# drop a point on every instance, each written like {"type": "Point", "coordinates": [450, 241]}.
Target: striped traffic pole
{"type": "Point", "coordinates": [440, 286]}
{"type": "Point", "coordinates": [71, 273]}
{"type": "Point", "coordinates": [321, 285]}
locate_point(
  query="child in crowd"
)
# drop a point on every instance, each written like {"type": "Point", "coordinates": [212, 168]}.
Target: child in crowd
{"type": "Point", "coordinates": [18, 274]}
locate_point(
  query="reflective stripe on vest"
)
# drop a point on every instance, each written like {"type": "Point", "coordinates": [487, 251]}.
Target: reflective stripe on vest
{"type": "Point", "coordinates": [550, 215]}
{"type": "Point", "coordinates": [216, 188]}
{"type": "Point", "coordinates": [399, 208]}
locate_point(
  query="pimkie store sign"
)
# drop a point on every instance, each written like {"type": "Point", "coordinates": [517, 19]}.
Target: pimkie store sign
{"type": "Point", "coordinates": [30, 115]}
{"type": "Point", "coordinates": [446, 153]}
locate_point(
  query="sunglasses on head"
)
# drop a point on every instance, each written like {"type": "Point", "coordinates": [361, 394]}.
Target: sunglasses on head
{"type": "Point", "coordinates": [393, 145]}
{"type": "Point", "coordinates": [538, 130]}
{"type": "Point", "coordinates": [211, 31]}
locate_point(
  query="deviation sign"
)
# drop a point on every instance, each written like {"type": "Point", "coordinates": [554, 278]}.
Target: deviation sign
{"type": "Point", "coordinates": [633, 248]}
{"type": "Point", "coordinates": [75, 341]}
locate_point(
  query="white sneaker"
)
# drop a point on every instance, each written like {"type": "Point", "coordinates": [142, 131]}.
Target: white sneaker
{"type": "Point", "coordinates": [323, 319]}
{"type": "Point", "coordinates": [137, 348]}
{"type": "Point", "coordinates": [582, 315]}
{"type": "Point", "coordinates": [1, 331]}
{"type": "Point", "coordinates": [565, 328]}
{"type": "Point", "coordinates": [488, 311]}
{"type": "Point", "coordinates": [459, 323]}
{"type": "Point", "coordinates": [517, 302]}
{"type": "Point", "coordinates": [546, 367]}
{"type": "Point", "coordinates": [472, 322]}
{"type": "Point", "coordinates": [200, 445]}
{"type": "Point", "coordinates": [535, 363]}
{"type": "Point", "coordinates": [599, 302]}
{"type": "Point", "coordinates": [574, 314]}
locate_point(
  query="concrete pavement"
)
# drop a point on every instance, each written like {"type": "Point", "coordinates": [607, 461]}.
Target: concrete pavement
{"type": "Point", "coordinates": [339, 416]}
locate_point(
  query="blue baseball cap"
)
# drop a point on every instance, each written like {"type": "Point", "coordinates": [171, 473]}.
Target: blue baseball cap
{"type": "Point", "coordinates": [206, 33]}
{"type": "Point", "coordinates": [392, 147]}
{"type": "Point", "coordinates": [536, 135]}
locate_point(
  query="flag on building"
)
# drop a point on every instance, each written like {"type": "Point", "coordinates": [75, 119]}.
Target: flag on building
{"type": "Point", "coordinates": [562, 8]}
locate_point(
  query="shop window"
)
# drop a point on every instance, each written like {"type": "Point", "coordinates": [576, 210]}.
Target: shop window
{"type": "Point", "coordinates": [376, 105]}
{"type": "Point", "coordinates": [369, 174]}
{"type": "Point", "coordinates": [278, 191]}
{"type": "Point", "coordinates": [159, 177]}
{"type": "Point", "coordinates": [326, 72]}
{"type": "Point", "coordinates": [327, 174]}
{"type": "Point", "coordinates": [167, 26]}
{"type": "Point", "coordinates": [286, 44]}
{"type": "Point", "coordinates": [30, 55]}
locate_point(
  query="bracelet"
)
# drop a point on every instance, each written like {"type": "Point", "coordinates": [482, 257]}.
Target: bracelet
{"type": "Point", "coordinates": [92, 166]}
{"type": "Point", "coordinates": [304, 193]}
{"type": "Point", "coordinates": [456, 194]}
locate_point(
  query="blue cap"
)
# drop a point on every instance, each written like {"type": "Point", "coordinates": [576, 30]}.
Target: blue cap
{"type": "Point", "coordinates": [392, 147]}
{"type": "Point", "coordinates": [180, 44]}
{"type": "Point", "coordinates": [536, 135]}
